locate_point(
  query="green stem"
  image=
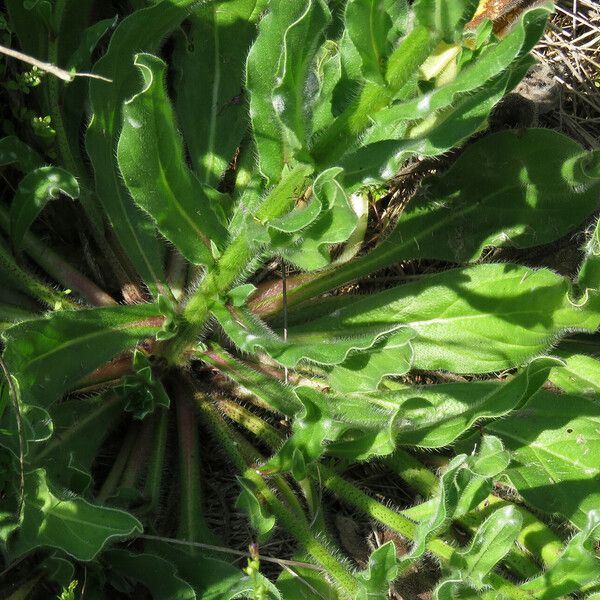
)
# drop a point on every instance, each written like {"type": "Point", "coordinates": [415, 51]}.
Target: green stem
{"type": "Point", "coordinates": [112, 480]}
{"type": "Point", "coordinates": [353, 496]}
{"type": "Point", "coordinates": [295, 525]}
{"type": "Point", "coordinates": [192, 525]}
{"type": "Point", "coordinates": [157, 460]}
{"type": "Point", "coordinates": [31, 285]}
{"type": "Point", "coordinates": [419, 477]}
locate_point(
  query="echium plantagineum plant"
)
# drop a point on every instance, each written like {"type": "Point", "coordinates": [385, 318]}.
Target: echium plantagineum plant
{"type": "Point", "coordinates": [169, 338]}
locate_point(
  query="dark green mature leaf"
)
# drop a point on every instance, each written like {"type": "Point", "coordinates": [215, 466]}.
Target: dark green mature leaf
{"type": "Point", "coordinates": [277, 72]}
{"type": "Point", "coordinates": [577, 567]}
{"type": "Point", "coordinates": [380, 572]}
{"type": "Point", "coordinates": [472, 320]}
{"type": "Point", "coordinates": [73, 525]}
{"type": "Point", "coordinates": [497, 193]}
{"type": "Point", "coordinates": [555, 445]}
{"type": "Point", "coordinates": [210, 103]}
{"type": "Point", "coordinates": [157, 574]}
{"type": "Point", "coordinates": [35, 190]}
{"type": "Point", "coordinates": [141, 31]}
{"type": "Point", "coordinates": [492, 541]}
{"type": "Point", "coordinates": [152, 161]}
{"type": "Point", "coordinates": [72, 343]}
{"type": "Point", "coordinates": [15, 152]}
{"type": "Point", "coordinates": [81, 425]}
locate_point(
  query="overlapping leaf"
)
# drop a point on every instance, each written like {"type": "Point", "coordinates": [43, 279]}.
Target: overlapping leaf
{"type": "Point", "coordinates": [472, 320]}
{"type": "Point", "coordinates": [152, 161]}
{"type": "Point", "coordinates": [72, 343]}
{"type": "Point", "coordinates": [555, 446]}
{"type": "Point", "coordinates": [277, 71]}
{"type": "Point", "coordinates": [35, 190]}
{"type": "Point", "coordinates": [73, 525]}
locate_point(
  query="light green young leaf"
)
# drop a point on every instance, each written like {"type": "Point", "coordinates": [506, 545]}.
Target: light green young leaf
{"type": "Point", "coordinates": [302, 236]}
{"type": "Point", "coordinates": [72, 343]}
{"type": "Point", "coordinates": [277, 71]}
{"type": "Point", "coordinates": [380, 572]}
{"type": "Point", "coordinates": [35, 190]}
{"type": "Point", "coordinates": [363, 371]}
{"type": "Point", "coordinates": [260, 519]}
{"type": "Point", "coordinates": [36, 424]}
{"type": "Point", "coordinates": [210, 63]}
{"type": "Point", "coordinates": [157, 574]}
{"type": "Point", "coordinates": [73, 525]}
{"type": "Point", "coordinates": [141, 31]}
{"type": "Point", "coordinates": [473, 320]}
{"type": "Point", "coordinates": [15, 152]}
{"type": "Point", "coordinates": [492, 541]}
{"type": "Point", "coordinates": [555, 445]}
{"type": "Point", "coordinates": [577, 567]}
{"type": "Point", "coordinates": [152, 161]}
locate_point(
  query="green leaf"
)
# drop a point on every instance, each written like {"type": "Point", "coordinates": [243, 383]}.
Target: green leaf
{"type": "Point", "coordinates": [492, 541]}
{"type": "Point", "coordinates": [305, 584]}
{"type": "Point", "coordinates": [141, 31]}
{"type": "Point", "coordinates": [445, 17]}
{"type": "Point", "coordinates": [322, 347]}
{"type": "Point", "coordinates": [36, 424]}
{"type": "Point", "coordinates": [157, 574]}
{"type": "Point", "coordinates": [433, 416]}
{"type": "Point", "coordinates": [83, 424]}
{"type": "Point", "coordinates": [72, 343]}
{"type": "Point", "coordinates": [35, 190]}
{"type": "Point", "coordinates": [363, 371]}
{"type": "Point", "coordinates": [380, 572]}
{"type": "Point", "coordinates": [80, 59]}
{"type": "Point", "coordinates": [210, 103]}
{"type": "Point", "coordinates": [579, 374]}
{"type": "Point", "coordinates": [15, 152]}
{"type": "Point", "coordinates": [72, 525]}
{"type": "Point", "coordinates": [508, 198]}
{"type": "Point", "coordinates": [261, 520]}
{"type": "Point", "coordinates": [473, 320]}
{"type": "Point", "coordinates": [369, 23]}
{"type": "Point", "coordinates": [277, 72]}
{"type": "Point", "coordinates": [577, 567]}
{"type": "Point", "coordinates": [554, 444]}
{"type": "Point", "coordinates": [152, 161]}
{"type": "Point", "coordinates": [302, 236]}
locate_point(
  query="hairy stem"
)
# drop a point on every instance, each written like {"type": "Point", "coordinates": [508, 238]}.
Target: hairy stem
{"type": "Point", "coordinates": [156, 463]}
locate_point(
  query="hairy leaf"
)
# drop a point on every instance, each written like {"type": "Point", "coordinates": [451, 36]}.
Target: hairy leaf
{"type": "Point", "coordinates": [35, 190]}
{"type": "Point", "coordinates": [73, 525]}
{"type": "Point", "coordinates": [577, 566]}
{"type": "Point", "coordinates": [72, 343]}
{"type": "Point", "coordinates": [277, 72]}
{"type": "Point", "coordinates": [554, 443]}
{"type": "Point", "coordinates": [15, 152]}
{"type": "Point", "coordinates": [380, 572]}
{"type": "Point", "coordinates": [141, 31]}
{"type": "Point", "coordinates": [152, 161]}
